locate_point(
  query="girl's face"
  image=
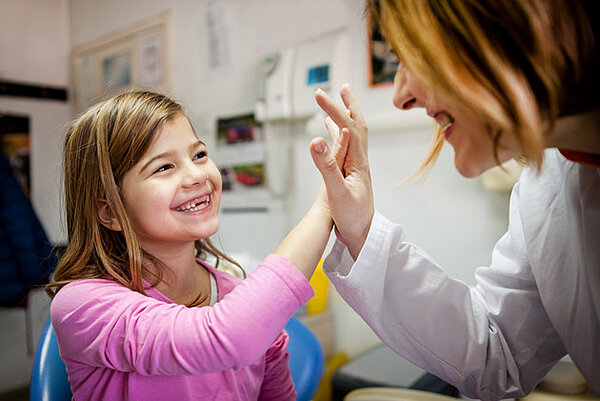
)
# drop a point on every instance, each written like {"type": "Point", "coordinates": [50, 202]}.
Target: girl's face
{"type": "Point", "coordinates": [469, 136]}
{"type": "Point", "coordinates": [172, 195]}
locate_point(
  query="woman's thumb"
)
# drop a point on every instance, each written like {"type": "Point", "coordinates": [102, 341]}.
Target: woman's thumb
{"type": "Point", "coordinates": [326, 164]}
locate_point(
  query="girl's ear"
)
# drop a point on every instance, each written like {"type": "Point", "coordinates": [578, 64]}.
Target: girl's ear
{"type": "Point", "coordinates": [106, 216]}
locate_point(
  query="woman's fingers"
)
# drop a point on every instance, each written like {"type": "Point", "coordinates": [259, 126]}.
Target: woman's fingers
{"type": "Point", "coordinates": [350, 102]}
{"type": "Point", "coordinates": [337, 113]}
{"type": "Point", "coordinates": [356, 113]}
{"type": "Point", "coordinates": [349, 117]}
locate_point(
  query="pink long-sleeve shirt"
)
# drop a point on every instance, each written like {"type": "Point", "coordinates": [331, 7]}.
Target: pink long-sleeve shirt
{"type": "Point", "coordinates": [118, 344]}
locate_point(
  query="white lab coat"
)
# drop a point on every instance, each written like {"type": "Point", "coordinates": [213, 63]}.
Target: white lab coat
{"type": "Point", "coordinates": [539, 299]}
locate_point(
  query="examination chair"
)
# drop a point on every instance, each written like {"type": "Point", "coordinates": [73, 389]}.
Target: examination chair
{"type": "Point", "coordinates": [49, 376]}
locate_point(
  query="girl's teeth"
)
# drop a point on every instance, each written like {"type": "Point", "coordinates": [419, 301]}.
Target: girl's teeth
{"type": "Point", "coordinates": [193, 207]}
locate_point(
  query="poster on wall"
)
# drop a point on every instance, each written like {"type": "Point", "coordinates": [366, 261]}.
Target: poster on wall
{"type": "Point", "coordinates": [133, 58]}
{"type": "Point", "coordinates": [116, 71]}
{"type": "Point", "coordinates": [383, 61]}
{"type": "Point", "coordinates": [216, 39]}
{"type": "Point", "coordinates": [151, 49]}
{"type": "Point", "coordinates": [240, 153]}
{"type": "Point", "coordinates": [14, 147]}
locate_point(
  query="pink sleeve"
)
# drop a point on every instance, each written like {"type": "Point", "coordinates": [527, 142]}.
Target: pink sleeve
{"type": "Point", "coordinates": [278, 384]}
{"type": "Point", "coordinates": [101, 323]}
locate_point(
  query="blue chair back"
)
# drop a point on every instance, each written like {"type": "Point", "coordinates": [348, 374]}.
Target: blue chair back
{"type": "Point", "coordinates": [306, 359]}
{"type": "Point", "coordinates": [49, 380]}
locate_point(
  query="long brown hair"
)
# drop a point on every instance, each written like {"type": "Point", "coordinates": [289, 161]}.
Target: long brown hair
{"type": "Point", "coordinates": [99, 148]}
{"type": "Point", "coordinates": [517, 64]}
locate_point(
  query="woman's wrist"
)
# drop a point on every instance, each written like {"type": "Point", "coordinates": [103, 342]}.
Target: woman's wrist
{"type": "Point", "coordinates": [355, 242]}
{"type": "Point", "coordinates": [356, 246]}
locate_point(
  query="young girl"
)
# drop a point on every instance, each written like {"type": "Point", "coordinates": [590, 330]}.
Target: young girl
{"type": "Point", "coordinates": [137, 312]}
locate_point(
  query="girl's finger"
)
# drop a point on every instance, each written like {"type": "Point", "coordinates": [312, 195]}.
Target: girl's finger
{"type": "Point", "coordinates": [327, 166]}
{"type": "Point", "coordinates": [332, 128]}
{"type": "Point", "coordinates": [351, 103]}
{"type": "Point", "coordinates": [340, 149]}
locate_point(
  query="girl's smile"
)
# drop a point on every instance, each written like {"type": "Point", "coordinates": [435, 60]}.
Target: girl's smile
{"type": "Point", "coordinates": [195, 205]}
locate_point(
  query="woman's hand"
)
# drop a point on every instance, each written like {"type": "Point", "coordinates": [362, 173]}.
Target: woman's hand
{"type": "Point", "coordinates": [304, 245]}
{"type": "Point", "coordinates": [346, 175]}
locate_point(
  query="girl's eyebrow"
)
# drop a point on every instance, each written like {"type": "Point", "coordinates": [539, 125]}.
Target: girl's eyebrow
{"type": "Point", "coordinates": [168, 153]}
{"type": "Point", "coordinates": [152, 159]}
{"type": "Point", "coordinates": [197, 144]}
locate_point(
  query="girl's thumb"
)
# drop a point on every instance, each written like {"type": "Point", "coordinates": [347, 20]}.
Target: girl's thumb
{"type": "Point", "coordinates": [325, 163]}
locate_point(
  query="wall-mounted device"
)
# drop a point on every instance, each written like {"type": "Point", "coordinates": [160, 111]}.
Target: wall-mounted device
{"type": "Point", "coordinates": [290, 77]}
{"type": "Point", "coordinates": [285, 97]}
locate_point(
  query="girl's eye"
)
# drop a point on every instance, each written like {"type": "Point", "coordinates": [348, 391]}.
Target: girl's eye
{"type": "Point", "coordinates": [162, 168]}
{"type": "Point", "coordinates": [200, 155]}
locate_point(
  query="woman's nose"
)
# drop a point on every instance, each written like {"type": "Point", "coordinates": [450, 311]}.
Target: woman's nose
{"type": "Point", "coordinates": [405, 90]}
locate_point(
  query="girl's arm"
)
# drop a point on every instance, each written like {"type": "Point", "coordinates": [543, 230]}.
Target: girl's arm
{"type": "Point", "coordinates": [304, 245]}
{"type": "Point", "coordinates": [100, 323]}
{"type": "Point", "coordinates": [278, 384]}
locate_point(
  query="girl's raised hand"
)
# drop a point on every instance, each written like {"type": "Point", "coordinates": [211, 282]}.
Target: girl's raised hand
{"type": "Point", "coordinates": [346, 175]}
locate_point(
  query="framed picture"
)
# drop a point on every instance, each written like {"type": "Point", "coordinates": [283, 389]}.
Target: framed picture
{"type": "Point", "coordinates": [14, 147]}
{"type": "Point", "coordinates": [383, 62]}
{"type": "Point", "coordinates": [135, 57]}
{"type": "Point", "coordinates": [241, 128]}
{"type": "Point", "coordinates": [243, 176]}
{"type": "Point", "coordinates": [240, 152]}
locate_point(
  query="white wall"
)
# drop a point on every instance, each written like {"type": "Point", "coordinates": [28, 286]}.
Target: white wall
{"type": "Point", "coordinates": [34, 49]}
{"type": "Point", "coordinates": [451, 217]}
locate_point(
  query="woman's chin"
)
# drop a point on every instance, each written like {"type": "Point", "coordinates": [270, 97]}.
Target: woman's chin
{"type": "Point", "coordinates": [469, 169]}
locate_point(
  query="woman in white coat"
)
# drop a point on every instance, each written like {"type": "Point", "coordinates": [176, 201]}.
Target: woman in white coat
{"type": "Point", "coordinates": [502, 79]}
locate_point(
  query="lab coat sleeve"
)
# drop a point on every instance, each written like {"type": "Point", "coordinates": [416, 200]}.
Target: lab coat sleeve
{"type": "Point", "coordinates": [491, 341]}
{"type": "Point", "coordinates": [101, 323]}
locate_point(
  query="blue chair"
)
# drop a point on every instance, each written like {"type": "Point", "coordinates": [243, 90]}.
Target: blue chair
{"type": "Point", "coordinates": [49, 375]}
{"type": "Point", "coordinates": [306, 359]}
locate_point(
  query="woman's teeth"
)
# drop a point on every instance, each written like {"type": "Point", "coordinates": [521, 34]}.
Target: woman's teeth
{"type": "Point", "coordinates": [194, 206]}
{"type": "Point", "coordinates": [444, 120]}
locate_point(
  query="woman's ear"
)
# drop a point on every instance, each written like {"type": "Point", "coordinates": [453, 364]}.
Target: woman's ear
{"type": "Point", "coordinates": [106, 217]}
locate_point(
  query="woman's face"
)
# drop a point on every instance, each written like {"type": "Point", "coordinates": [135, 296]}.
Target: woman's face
{"type": "Point", "coordinates": [469, 135]}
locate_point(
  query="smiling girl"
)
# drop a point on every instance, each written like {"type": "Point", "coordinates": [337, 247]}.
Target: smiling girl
{"type": "Point", "coordinates": [138, 313]}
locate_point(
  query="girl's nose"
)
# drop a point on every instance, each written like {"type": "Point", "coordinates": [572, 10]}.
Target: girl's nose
{"type": "Point", "coordinates": [405, 90]}
{"type": "Point", "coordinates": [194, 175]}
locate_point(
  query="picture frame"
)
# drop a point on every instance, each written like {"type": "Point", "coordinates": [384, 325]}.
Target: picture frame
{"type": "Point", "coordinates": [383, 62]}
{"type": "Point", "coordinates": [240, 152]}
{"type": "Point", "coordinates": [133, 58]}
